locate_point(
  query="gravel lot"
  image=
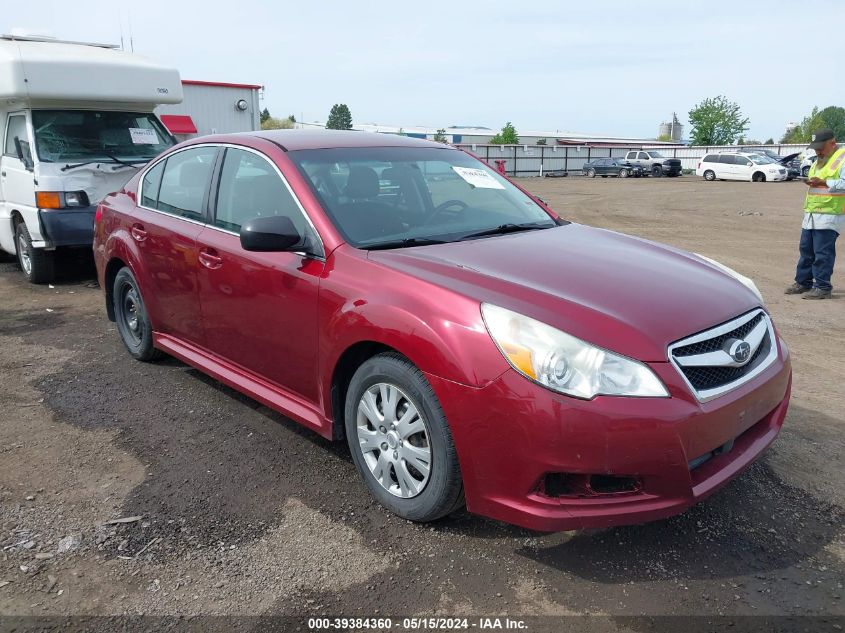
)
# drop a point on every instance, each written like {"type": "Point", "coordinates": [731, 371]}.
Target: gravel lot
{"type": "Point", "coordinates": [234, 510]}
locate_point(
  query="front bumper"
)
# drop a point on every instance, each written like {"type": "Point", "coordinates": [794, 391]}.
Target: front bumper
{"type": "Point", "coordinates": [67, 227]}
{"type": "Point", "coordinates": [671, 170]}
{"type": "Point", "coordinates": [512, 433]}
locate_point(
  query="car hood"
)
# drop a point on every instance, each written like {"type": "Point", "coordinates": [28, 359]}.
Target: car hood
{"type": "Point", "coordinates": [784, 160]}
{"type": "Point", "coordinates": [623, 293]}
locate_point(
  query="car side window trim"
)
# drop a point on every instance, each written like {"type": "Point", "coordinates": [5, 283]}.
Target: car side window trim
{"type": "Point", "coordinates": [164, 159]}
{"type": "Point", "coordinates": [215, 188]}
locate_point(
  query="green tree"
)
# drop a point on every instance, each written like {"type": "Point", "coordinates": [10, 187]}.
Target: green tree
{"type": "Point", "coordinates": [769, 141]}
{"type": "Point", "coordinates": [272, 123]}
{"type": "Point", "coordinates": [716, 121]}
{"type": "Point", "coordinates": [440, 136]}
{"type": "Point", "coordinates": [542, 141]}
{"type": "Point", "coordinates": [665, 137]}
{"type": "Point", "coordinates": [832, 117]}
{"type": "Point", "coordinates": [507, 136]}
{"type": "Point", "coordinates": [340, 118]}
{"type": "Point", "coordinates": [265, 114]}
{"type": "Point", "coordinates": [292, 118]}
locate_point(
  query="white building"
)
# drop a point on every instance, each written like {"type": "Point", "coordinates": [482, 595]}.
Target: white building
{"type": "Point", "coordinates": [213, 107]}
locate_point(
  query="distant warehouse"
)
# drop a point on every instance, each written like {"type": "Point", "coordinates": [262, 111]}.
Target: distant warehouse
{"type": "Point", "coordinates": [212, 107]}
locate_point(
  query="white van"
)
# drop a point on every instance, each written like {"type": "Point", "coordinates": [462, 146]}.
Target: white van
{"type": "Point", "coordinates": [76, 122]}
{"type": "Point", "coordinates": [740, 166]}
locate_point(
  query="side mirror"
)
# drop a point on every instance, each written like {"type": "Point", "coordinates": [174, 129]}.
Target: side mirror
{"type": "Point", "coordinates": [275, 233]}
{"type": "Point", "coordinates": [24, 153]}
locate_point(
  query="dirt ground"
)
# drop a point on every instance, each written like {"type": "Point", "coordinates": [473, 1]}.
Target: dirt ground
{"type": "Point", "coordinates": [233, 510]}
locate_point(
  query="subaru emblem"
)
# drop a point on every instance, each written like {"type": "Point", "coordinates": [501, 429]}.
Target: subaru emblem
{"type": "Point", "coordinates": [740, 351]}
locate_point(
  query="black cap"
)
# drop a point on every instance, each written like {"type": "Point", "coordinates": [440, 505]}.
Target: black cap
{"type": "Point", "coordinates": [820, 137]}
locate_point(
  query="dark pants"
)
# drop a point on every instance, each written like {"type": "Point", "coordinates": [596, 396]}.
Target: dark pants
{"type": "Point", "coordinates": [818, 252]}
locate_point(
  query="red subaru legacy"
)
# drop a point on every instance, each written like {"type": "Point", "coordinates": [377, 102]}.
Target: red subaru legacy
{"type": "Point", "coordinates": [470, 346]}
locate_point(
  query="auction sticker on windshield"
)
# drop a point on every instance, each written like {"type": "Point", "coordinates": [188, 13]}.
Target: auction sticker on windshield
{"type": "Point", "coordinates": [143, 136]}
{"type": "Point", "coordinates": [478, 178]}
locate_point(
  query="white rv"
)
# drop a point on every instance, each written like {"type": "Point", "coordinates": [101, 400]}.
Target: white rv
{"type": "Point", "coordinates": [76, 122]}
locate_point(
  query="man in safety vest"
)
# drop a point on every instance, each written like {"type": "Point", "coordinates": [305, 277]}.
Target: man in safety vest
{"type": "Point", "coordinates": [824, 218]}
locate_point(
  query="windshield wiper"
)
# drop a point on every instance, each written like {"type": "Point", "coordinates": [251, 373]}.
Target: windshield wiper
{"type": "Point", "coordinates": [506, 228]}
{"type": "Point", "coordinates": [408, 241]}
{"type": "Point", "coordinates": [109, 159]}
{"type": "Point", "coordinates": [134, 163]}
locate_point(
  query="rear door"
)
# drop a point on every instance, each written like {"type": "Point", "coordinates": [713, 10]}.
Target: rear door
{"type": "Point", "coordinates": [726, 167]}
{"type": "Point", "coordinates": [259, 309]}
{"type": "Point", "coordinates": [171, 213]}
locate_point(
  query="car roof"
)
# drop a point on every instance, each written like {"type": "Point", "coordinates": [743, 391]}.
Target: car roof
{"type": "Point", "coordinates": [293, 140]}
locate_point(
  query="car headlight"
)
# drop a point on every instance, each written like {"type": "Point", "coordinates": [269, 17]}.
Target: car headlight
{"type": "Point", "coordinates": [745, 281]}
{"type": "Point", "coordinates": [564, 363]}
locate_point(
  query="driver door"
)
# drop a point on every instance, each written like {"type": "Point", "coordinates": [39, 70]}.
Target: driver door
{"type": "Point", "coordinates": [17, 183]}
{"type": "Point", "coordinates": [259, 309]}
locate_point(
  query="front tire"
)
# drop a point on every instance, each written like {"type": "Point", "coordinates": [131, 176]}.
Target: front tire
{"type": "Point", "coordinates": [805, 171]}
{"type": "Point", "coordinates": [709, 175]}
{"type": "Point", "coordinates": [758, 176]}
{"type": "Point", "coordinates": [591, 173]}
{"type": "Point", "coordinates": [38, 265]}
{"type": "Point", "coordinates": [400, 441]}
{"type": "Point", "coordinates": [131, 317]}
{"type": "Point", "coordinates": [656, 171]}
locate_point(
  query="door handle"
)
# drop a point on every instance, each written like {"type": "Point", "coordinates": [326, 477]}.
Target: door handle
{"type": "Point", "coordinates": [210, 259]}
{"type": "Point", "coordinates": [3, 173]}
{"type": "Point", "coordinates": [138, 233]}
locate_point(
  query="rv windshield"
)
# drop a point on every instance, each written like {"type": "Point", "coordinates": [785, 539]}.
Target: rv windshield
{"type": "Point", "coordinates": [87, 134]}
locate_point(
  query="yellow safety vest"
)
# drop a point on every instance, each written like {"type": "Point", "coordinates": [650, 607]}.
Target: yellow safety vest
{"type": "Point", "coordinates": [820, 199]}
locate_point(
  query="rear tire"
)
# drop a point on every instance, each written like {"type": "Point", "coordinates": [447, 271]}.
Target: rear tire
{"type": "Point", "coordinates": [38, 265]}
{"type": "Point", "coordinates": [709, 175]}
{"type": "Point", "coordinates": [384, 391]}
{"type": "Point", "coordinates": [805, 171]}
{"type": "Point", "coordinates": [623, 173]}
{"type": "Point", "coordinates": [133, 324]}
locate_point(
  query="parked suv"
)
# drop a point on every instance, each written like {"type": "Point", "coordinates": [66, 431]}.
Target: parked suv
{"type": "Point", "coordinates": [655, 163]}
{"type": "Point", "coordinates": [468, 344]}
{"type": "Point", "coordinates": [740, 166]}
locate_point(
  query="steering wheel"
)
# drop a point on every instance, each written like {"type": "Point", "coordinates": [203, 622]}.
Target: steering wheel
{"type": "Point", "coordinates": [443, 206]}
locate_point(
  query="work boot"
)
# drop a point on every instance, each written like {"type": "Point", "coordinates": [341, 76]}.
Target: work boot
{"type": "Point", "coordinates": [817, 293]}
{"type": "Point", "coordinates": [796, 289]}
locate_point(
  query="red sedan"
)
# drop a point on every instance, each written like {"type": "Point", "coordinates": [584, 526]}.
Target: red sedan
{"type": "Point", "coordinates": [469, 345]}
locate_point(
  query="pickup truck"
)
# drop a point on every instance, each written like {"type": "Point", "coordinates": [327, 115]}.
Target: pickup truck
{"type": "Point", "coordinates": [654, 163]}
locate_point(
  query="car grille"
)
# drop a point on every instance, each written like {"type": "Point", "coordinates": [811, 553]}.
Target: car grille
{"type": "Point", "coordinates": [673, 162]}
{"type": "Point", "coordinates": [712, 362]}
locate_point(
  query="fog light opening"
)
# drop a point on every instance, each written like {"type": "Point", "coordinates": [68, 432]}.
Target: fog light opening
{"type": "Point", "coordinates": [577, 485]}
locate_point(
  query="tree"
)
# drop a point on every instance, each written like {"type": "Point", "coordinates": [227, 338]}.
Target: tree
{"type": "Point", "coordinates": [665, 137]}
{"type": "Point", "coordinates": [769, 141]}
{"type": "Point", "coordinates": [716, 121]}
{"type": "Point", "coordinates": [272, 123]}
{"type": "Point", "coordinates": [292, 118]}
{"type": "Point", "coordinates": [265, 114]}
{"type": "Point", "coordinates": [440, 137]}
{"type": "Point", "coordinates": [340, 118]}
{"type": "Point", "coordinates": [542, 141]}
{"type": "Point", "coordinates": [507, 136]}
{"type": "Point", "coordinates": [832, 117]}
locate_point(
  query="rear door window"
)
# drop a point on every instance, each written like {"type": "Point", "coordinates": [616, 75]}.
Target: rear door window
{"type": "Point", "coordinates": [184, 183]}
{"type": "Point", "coordinates": [150, 186]}
{"type": "Point", "coordinates": [727, 159]}
{"type": "Point", "coordinates": [711, 158]}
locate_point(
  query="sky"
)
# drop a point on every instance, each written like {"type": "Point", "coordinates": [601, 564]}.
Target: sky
{"type": "Point", "coordinates": [617, 68]}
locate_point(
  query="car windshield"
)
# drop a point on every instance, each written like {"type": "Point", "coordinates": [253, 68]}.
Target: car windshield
{"type": "Point", "coordinates": [79, 135]}
{"type": "Point", "coordinates": [656, 155]}
{"type": "Point", "coordinates": [406, 196]}
{"type": "Point", "coordinates": [760, 160]}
